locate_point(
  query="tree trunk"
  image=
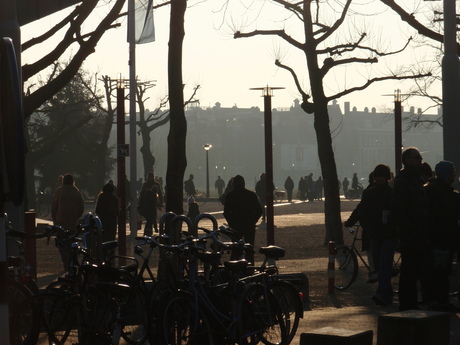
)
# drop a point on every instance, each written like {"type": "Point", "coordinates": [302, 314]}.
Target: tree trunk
{"type": "Point", "coordinates": [177, 160]}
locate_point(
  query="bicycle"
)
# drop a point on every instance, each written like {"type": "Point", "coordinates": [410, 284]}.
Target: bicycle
{"type": "Point", "coordinates": [353, 194]}
{"type": "Point", "coordinates": [346, 262]}
{"type": "Point", "coordinates": [278, 195]}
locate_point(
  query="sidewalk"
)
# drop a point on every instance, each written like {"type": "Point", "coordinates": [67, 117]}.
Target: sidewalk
{"type": "Point", "coordinates": [359, 319]}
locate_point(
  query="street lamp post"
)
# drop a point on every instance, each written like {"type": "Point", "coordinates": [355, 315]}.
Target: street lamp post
{"type": "Point", "coordinates": [267, 93]}
{"type": "Point", "coordinates": [207, 147]}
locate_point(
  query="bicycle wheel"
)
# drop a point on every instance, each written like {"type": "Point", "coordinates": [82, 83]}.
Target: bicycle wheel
{"type": "Point", "coordinates": [23, 315]}
{"type": "Point", "coordinates": [133, 313]}
{"type": "Point", "coordinates": [183, 324]}
{"type": "Point", "coordinates": [260, 316]}
{"type": "Point", "coordinates": [346, 267]}
{"type": "Point", "coordinates": [60, 311]}
{"type": "Point", "coordinates": [290, 304]}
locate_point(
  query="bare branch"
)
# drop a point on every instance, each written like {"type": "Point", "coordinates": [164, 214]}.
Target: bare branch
{"type": "Point", "coordinates": [373, 80]}
{"type": "Point", "coordinates": [296, 79]}
{"type": "Point", "coordinates": [280, 33]}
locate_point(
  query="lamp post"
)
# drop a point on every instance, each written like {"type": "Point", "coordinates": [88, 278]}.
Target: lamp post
{"type": "Point", "coordinates": [207, 147]}
{"type": "Point", "coordinates": [267, 93]}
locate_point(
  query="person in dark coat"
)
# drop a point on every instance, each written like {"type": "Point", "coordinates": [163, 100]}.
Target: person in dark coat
{"type": "Point", "coordinates": [375, 216]}
{"type": "Point", "coordinates": [107, 209]}
{"type": "Point", "coordinates": [220, 186]}
{"type": "Point", "coordinates": [302, 188]}
{"type": "Point", "coordinates": [261, 192]}
{"type": "Point", "coordinates": [242, 210]}
{"type": "Point", "coordinates": [410, 209]}
{"type": "Point", "coordinates": [189, 186]}
{"type": "Point", "coordinates": [150, 199]}
{"type": "Point", "coordinates": [443, 205]}
{"type": "Point", "coordinates": [289, 186]}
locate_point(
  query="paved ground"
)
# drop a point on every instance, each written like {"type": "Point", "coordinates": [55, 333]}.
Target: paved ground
{"type": "Point", "coordinates": [358, 318]}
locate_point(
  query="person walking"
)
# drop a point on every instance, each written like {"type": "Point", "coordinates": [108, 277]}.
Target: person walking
{"type": "Point", "coordinates": [150, 200]}
{"type": "Point", "coordinates": [189, 186]}
{"type": "Point", "coordinates": [66, 209]}
{"type": "Point", "coordinates": [67, 205]}
{"type": "Point", "coordinates": [410, 209]}
{"type": "Point", "coordinates": [289, 186]}
{"type": "Point", "coordinates": [107, 209]}
{"type": "Point", "coordinates": [302, 188]}
{"type": "Point", "coordinates": [261, 191]}
{"type": "Point", "coordinates": [220, 185]}
{"type": "Point", "coordinates": [242, 210]}
{"type": "Point", "coordinates": [375, 216]}
{"type": "Point", "coordinates": [443, 206]}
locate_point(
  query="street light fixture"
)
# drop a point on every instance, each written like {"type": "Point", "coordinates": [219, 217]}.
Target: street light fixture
{"type": "Point", "coordinates": [207, 147]}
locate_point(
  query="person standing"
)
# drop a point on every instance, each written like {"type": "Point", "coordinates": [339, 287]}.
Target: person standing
{"type": "Point", "coordinates": [107, 209]}
{"type": "Point", "coordinates": [66, 209]}
{"type": "Point", "coordinates": [302, 188]}
{"type": "Point", "coordinates": [150, 199]}
{"type": "Point", "coordinates": [375, 216]}
{"type": "Point", "coordinates": [345, 185]}
{"type": "Point", "coordinates": [242, 210]}
{"type": "Point", "coordinates": [67, 205]}
{"type": "Point", "coordinates": [289, 186]}
{"type": "Point", "coordinates": [189, 186]}
{"type": "Point", "coordinates": [443, 205]}
{"type": "Point", "coordinates": [410, 209]}
{"type": "Point", "coordinates": [310, 187]}
{"type": "Point", "coordinates": [354, 182]}
{"type": "Point", "coordinates": [261, 192]}
{"type": "Point", "coordinates": [220, 185]}
{"type": "Point", "coordinates": [319, 188]}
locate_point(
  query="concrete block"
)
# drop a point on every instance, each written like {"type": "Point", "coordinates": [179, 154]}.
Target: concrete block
{"type": "Point", "coordinates": [414, 327]}
{"type": "Point", "coordinates": [336, 336]}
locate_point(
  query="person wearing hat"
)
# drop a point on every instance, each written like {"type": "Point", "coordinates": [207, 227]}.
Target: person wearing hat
{"type": "Point", "coordinates": [443, 206]}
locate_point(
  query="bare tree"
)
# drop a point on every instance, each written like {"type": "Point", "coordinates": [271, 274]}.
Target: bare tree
{"type": "Point", "coordinates": [86, 42]}
{"type": "Point", "coordinates": [322, 54]}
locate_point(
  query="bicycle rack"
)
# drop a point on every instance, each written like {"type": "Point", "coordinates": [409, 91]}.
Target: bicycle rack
{"type": "Point", "coordinates": [202, 216]}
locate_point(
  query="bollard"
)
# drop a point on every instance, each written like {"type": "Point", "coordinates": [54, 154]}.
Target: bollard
{"type": "Point", "coordinates": [331, 268]}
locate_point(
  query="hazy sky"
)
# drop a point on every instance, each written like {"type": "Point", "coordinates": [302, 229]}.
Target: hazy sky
{"type": "Point", "coordinates": [226, 68]}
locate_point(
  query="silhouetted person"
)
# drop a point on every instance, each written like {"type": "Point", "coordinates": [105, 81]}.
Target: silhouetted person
{"type": "Point", "coordinates": [412, 218]}
{"type": "Point", "coordinates": [189, 186]}
{"type": "Point", "coordinates": [228, 188]}
{"type": "Point", "coordinates": [443, 205]}
{"type": "Point", "coordinates": [375, 216]}
{"type": "Point", "coordinates": [66, 209]}
{"type": "Point", "coordinates": [354, 182]}
{"type": "Point", "coordinates": [150, 200]}
{"type": "Point", "coordinates": [261, 191]}
{"type": "Point", "coordinates": [242, 210]}
{"type": "Point", "coordinates": [220, 185]}
{"type": "Point", "coordinates": [345, 185]}
{"type": "Point", "coordinates": [310, 187]}
{"type": "Point", "coordinates": [289, 186]}
{"type": "Point", "coordinates": [319, 188]}
{"type": "Point", "coordinates": [302, 189]}
{"type": "Point", "coordinates": [107, 209]}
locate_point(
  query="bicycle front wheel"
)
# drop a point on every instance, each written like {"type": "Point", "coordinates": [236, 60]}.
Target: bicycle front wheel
{"type": "Point", "coordinates": [346, 267]}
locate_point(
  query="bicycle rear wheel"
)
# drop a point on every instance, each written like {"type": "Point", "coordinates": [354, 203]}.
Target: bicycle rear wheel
{"type": "Point", "coordinates": [346, 267]}
{"type": "Point", "coordinates": [183, 324]}
{"type": "Point", "coordinates": [290, 304]}
{"type": "Point", "coordinates": [261, 317]}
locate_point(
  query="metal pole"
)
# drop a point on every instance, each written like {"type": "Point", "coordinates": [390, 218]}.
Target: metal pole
{"type": "Point", "coordinates": [398, 131]}
{"type": "Point", "coordinates": [269, 167]}
{"type": "Point", "coordinates": [133, 226]}
{"type": "Point", "coordinates": [207, 174]}
{"type": "Point", "coordinates": [121, 169]}
{"type": "Point", "coordinates": [451, 86]}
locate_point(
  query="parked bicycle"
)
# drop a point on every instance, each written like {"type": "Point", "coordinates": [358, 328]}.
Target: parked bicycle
{"type": "Point", "coordinates": [354, 193]}
{"type": "Point", "coordinates": [278, 195]}
{"type": "Point", "coordinates": [346, 261]}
